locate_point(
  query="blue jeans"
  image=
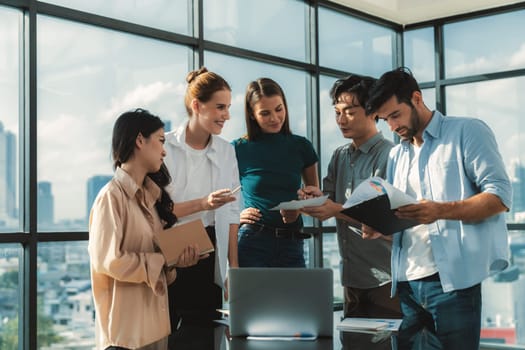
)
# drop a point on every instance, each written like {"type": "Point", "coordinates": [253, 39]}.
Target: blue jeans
{"type": "Point", "coordinates": [260, 247]}
{"type": "Point", "coordinates": [433, 319]}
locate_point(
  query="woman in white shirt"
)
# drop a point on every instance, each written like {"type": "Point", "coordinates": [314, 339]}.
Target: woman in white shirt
{"type": "Point", "coordinates": [204, 171]}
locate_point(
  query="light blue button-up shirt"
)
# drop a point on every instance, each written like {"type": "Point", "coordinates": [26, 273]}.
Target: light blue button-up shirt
{"type": "Point", "coordinates": [459, 158]}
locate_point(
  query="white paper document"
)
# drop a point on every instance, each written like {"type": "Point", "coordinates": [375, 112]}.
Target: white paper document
{"type": "Point", "coordinates": [375, 187]}
{"type": "Point", "coordinates": [301, 203]}
{"type": "Point", "coordinates": [374, 203]}
{"type": "Point", "coordinates": [358, 324]}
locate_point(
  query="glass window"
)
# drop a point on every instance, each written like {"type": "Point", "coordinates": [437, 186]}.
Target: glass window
{"type": "Point", "coordinates": [239, 72]}
{"type": "Point", "coordinates": [331, 137]}
{"type": "Point", "coordinates": [10, 63]}
{"type": "Point", "coordinates": [429, 97]}
{"type": "Point", "coordinates": [353, 45]}
{"type": "Point", "coordinates": [10, 296]}
{"type": "Point", "coordinates": [87, 76]}
{"type": "Point", "coordinates": [499, 104]}
{"type": "Point", "coordinates": [503, 306]}
{"type": "Point", "coordinates": [332, 260]}
{"type": "Point", "coordinates": [171, 15]}
{"type": "Point", "coordinates": [467, 52]}
{"type": "Point", "coordinates": [66, 314]}
{"type": "Point", "coordinates": [274, 27]}
{"type": "Point", "coordinates": [419, 53]}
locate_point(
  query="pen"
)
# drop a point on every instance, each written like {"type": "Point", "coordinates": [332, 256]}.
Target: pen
{"type": "Point", "coordinates": [304, 335]}
{"type": "Point", "coordinates": [305, 194]}
{"type": "Point", "coordinates": [296, 336]}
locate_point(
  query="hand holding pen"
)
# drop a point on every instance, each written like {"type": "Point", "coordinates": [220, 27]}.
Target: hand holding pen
{"type": "Point", "coordinates": [306, 192]}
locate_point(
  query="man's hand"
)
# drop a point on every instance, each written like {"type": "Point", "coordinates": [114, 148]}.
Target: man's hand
{"type": "Point", "coordinates": [424, 212]}
{"type": "Point", "coordinates": [370, 233]}
{"type": "Point", "coordinates": [289, 216]}
{"type": "Point", "coordinates": [323, 212]}
{"type": "Point", "coordinates": [309, 192]}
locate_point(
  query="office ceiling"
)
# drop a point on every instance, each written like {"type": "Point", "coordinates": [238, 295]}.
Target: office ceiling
{"type": "Point", "coordinates": [415, 11]}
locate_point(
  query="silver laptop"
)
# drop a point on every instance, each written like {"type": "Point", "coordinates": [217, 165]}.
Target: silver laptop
{"type": "Point", "coordinates": [281, 302]}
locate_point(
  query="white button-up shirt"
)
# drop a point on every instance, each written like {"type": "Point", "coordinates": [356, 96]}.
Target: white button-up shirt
{"type": "Point", "coordinates": [224, 174]}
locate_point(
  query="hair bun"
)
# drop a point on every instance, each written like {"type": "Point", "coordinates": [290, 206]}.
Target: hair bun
{"type": "Point", "coordinates": [195, 73]}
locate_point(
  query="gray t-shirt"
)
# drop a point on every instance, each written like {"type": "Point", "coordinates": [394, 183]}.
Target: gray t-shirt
{"type": "Point", "coordinates": [365, 263]}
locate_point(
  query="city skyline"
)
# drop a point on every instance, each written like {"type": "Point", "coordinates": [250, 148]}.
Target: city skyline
{"type": "Point", "coordinates": [46, 202]}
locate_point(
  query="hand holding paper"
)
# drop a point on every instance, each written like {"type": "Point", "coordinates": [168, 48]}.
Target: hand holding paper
{"type": "Point", "coordinates": [301, 203]}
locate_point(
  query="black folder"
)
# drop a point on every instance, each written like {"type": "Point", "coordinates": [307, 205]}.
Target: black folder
{"type": "Point", "coordinates": [377, 214]}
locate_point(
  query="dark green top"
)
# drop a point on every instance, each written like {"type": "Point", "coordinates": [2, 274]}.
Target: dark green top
{"type": "Point", "coordinates": [270, 170]}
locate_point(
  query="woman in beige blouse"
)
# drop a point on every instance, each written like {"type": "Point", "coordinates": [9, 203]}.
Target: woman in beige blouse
{"type": "Point", "coordinates": [128, 274]}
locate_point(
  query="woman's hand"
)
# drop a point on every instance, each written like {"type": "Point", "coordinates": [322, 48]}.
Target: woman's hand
{"type": "Point", "coordinates": [217, 199]}
{"type": "Point", "coordinates": [250, 216]}
{"type": "Point", "coordinates": [189, 256]}
{"type": "Point", "coordinates": [159, 287]}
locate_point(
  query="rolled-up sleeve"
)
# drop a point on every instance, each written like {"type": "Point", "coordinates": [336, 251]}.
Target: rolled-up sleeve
{"type": "Point", "coordinates": [484, 163]}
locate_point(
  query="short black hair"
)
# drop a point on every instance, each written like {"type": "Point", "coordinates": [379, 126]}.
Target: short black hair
{"type": "Point", "coordinates": [398, 82]}
{"type": "Point", "coordinates": [354, 84]}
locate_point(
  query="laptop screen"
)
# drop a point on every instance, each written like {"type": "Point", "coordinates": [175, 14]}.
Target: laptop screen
{"type": "Point", "coordinates": [281, 302]}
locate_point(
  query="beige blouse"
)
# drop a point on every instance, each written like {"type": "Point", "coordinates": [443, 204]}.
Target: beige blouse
{"type": "Point", "coordinates": [130, 311]}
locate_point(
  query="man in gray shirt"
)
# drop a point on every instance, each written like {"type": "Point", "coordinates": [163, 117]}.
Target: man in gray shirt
{"type": "Point", "coordinates": [365, 272]}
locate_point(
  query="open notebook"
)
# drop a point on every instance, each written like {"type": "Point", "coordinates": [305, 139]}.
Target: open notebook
{"type": "Point", "coordinates": [281, 302]}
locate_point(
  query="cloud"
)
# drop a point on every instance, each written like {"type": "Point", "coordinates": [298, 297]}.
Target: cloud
{"type": "Point", "coordinates": [75, 146]}
{"type": "Point", "coordinates": [517, 60]}
{"type": "Point", "coordinates": [142, 95]}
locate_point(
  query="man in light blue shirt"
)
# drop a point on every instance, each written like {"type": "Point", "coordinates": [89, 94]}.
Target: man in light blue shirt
{"type": "Point", "coordinates": [453, 167]}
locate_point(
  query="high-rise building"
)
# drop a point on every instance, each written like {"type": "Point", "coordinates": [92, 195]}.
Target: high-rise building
{"type": "Point", "coordinates": [518, 189]}
{"type": "Point", "coordinates": [167, 125]}
{"type": "Point", "coordinates": [94, 184]}
{"type": "Point", "coordinates": [45, 204]}
{"type": "Point", "coordinates": [8, 168]}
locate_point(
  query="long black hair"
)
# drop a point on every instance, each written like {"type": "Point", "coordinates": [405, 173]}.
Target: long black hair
{"type": "Point", "coordinates": [164, 204]}
{"type": "Point", "coordinates": [127, 127]}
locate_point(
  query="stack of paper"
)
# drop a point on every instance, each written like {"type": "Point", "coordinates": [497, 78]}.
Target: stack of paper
{"type": "Point", "coordinates": [369, 325]}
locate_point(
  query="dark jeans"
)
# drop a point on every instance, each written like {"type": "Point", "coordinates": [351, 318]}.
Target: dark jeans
{"type": "Point", "coordinates": [371, 302]}
{"type": "Point", "coordinates": [194, 296]}
{"type": "Point", "coordinates": [439, 320]}
{"type": "Point", "coordinates": [259, 246]}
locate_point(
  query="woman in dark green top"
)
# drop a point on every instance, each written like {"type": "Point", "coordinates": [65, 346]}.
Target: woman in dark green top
{"type": "Point", "coordinates": [272, 163]}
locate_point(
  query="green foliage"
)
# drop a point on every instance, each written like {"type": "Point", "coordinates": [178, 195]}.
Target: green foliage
{"type": "Point", "coordinates": [46, 334]}
{"type": "Point", "coordinates": [9, 280]}
{"type": "Point", "coordinates": [9, 335]}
